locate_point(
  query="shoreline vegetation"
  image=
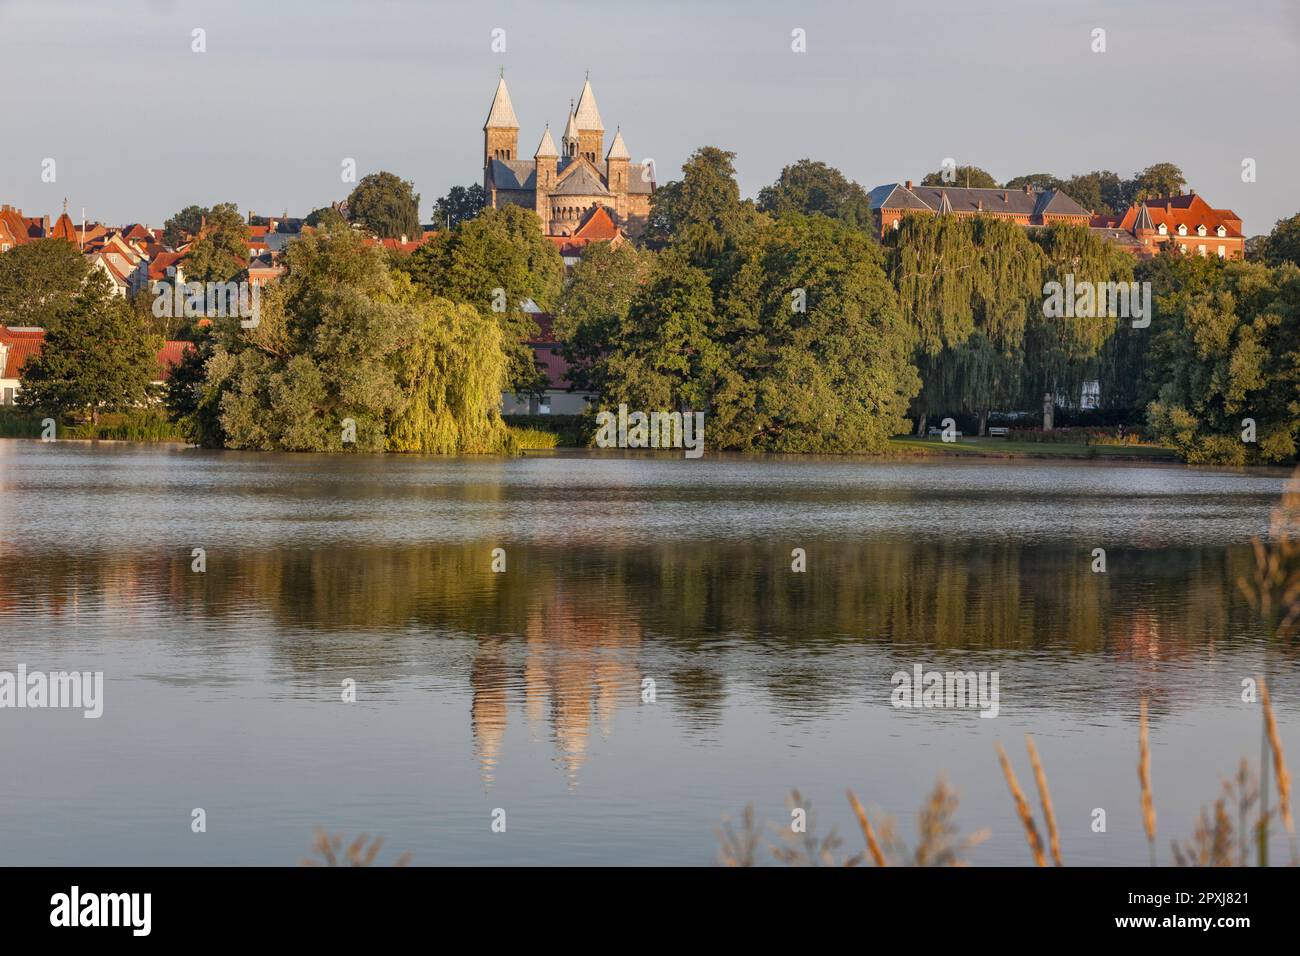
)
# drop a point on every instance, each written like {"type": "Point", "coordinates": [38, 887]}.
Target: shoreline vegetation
{"type": "Point", "coordinates": [795, 325]}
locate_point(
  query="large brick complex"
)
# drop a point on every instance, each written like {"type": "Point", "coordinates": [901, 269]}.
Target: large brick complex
{"type": "Point", "coordinates": [563, 186]}
{"type": "Point", "coordinates": [1188, 221]}
{"type": "Point", "coordinates": [1026, 207]}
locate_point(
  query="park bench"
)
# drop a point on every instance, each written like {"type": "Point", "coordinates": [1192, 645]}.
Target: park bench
{"type": "Point", "coordinates": [999, 432]}
{"type": "Point", "coordinates": [938, 432]}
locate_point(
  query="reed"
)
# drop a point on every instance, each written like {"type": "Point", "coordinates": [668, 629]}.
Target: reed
{"type": "Point", "coordinates": [870, 835]}
{"type": "Point", "coordinates": [1049, 816]}
{"type": "Point", "coordinates": [1022, 808]}
{"type": "Point", "coordinates": [332, 853]}
{"type": "Point", "coordinates": [1144, 776]}
{"type": "Point", "coordinates": [1280, 773]}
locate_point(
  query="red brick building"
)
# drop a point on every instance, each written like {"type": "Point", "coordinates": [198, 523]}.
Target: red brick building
{"type": "Point", "coordinates": [1188, 222]}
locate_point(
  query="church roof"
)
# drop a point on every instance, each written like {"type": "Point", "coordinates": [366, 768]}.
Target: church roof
{"type": "Point", "coordinates": [597, 226]}
{"type": "Point", "coordinates": [546, 148]}
{"type": "Point", "coordinates": [586, 115]}
{"type": "Point", "coordinates": [583, 181]}
{"type": "Point", "coordinates": [571, 128]}
{"type": "Point", "coordinates": [513, 173]}
{"type": "Point", "coordinates": [1144, 219]}
{"type": "Point", "coordinates": [502, 114]}
{"type": "Point", "coordinates": [618, 148]}
{"type": "Point", "coordinates": [64, 229]}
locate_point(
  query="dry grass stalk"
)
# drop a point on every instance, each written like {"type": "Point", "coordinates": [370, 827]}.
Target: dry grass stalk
{"type": "Point", "coordinates": [1144, 776]}
{"type": "Point", "coordinates": [1022, 808]}
{"type": "Point", "coordinates": [739, 848]}
{"type": "Point", "coordinates": [1279, 764]}
{"type": "Point", "coordinates": [867, 832]}
{"type": "Point", "coordinates": [805, 849]}
{"type": "Point", "coordinates": [1273, 591]}
{"type": "Point", "coordinates": [1049, 817]}
{"type": "Point", "coordinates": [1211, 844]}
{"type": "Point", "coordinates": [331, 852]}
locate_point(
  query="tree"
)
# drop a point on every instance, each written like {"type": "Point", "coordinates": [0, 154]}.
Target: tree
{"type": "Point", "coordinates": [96, 357]}
{"type": "Point", "coordinates": [496, 262]}
{"type": "Point", "coordinates": [386, 206]}
{"type": "Point", "coordinates": [595, 304]}
{"type": "Point", "coordinates": [1227, 349]}
{"type": "Point", "coordinates": [319, 372]}
{"type": "Point", "coordinates": [453, 375]}
{"type": "Point", "coordinates": [220, 251]}
{"type": "Point", "coordinates": [1061, 353]}
{"type": "Point", "coordinates": [460, 204]}
{"type": "Point", "coordinates": [1282, 244]}
{"type": "Point", "coordinates": [183, 226]}
{"type": "Point", "coordinates": [702, 213]}
{"type": "Point", "coordinates": [1157, 180]}
{"type": "Point", "coordinates": [38, 281]}
{"type": "Point", "coordinates": [811, 187]}
{"type": "Point", "coordinates": [967, 289]}
{"type": "Point", "coordinates": [326, 217]}
{"type": "Point", "coordinates": [1036, 180]}
{"type": "Point", "coordinates": [968, 176]}
{"type": "Point", "coordinates": [1100, 191]}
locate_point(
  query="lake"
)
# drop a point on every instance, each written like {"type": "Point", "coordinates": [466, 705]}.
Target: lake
{"type": "Point", "coordinates": [646, 663]}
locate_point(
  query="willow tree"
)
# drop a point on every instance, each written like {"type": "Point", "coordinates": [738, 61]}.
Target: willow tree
{"type": "Point", "coordinates": [1061, 352]}
{"type": "Point", "coordinates": [453, 375]}
{"type": "Point", "coordinates": [966, 288]}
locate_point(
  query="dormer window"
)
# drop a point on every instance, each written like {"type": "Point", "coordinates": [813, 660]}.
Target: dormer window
{"type": "Point", "coordinates": [1200, 230]}
{"type": "Point", "coordinates": [1221, 232]}
{"type": "Point", "coordinates": [1163, 230]}
{"type": "Point", "coordinates": [1182, 229]}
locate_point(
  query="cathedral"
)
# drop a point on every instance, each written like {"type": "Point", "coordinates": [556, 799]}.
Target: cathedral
{"type": "Point", "coordinates": [564, 187]}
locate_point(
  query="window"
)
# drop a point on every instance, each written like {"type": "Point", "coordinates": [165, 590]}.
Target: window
{"type": "Point", "coordinates": [1182, 229]}
{"type": "Point", "coordinates": [1221, 232]}
{"type": "Point", "coordinates": [1223, 252]}
{"type": "Point", "coordinates": [1164, 230]}
{"type": "Point", "coordinates": [1201, 249]}
{"type": "Point", "coordinates": [1200, 230]}
{"type": "Point", "coordinates": [895, 223]}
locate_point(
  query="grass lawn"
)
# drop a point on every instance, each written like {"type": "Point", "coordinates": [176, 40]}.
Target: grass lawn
{"type": "Point", "coordinates": [1004, 448]}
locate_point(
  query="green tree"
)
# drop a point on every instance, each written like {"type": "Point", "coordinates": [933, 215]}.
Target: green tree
{"type": "Point", "coordinates": [460, 204]}
{"type": "Point", "coordinates": [182, 227]}
{"type": "Point", "coordinates": [220, 251]}
{"type": "Point", "coordinates": [813, 187]}
{"type": "Point", "coordinates": [966, 176]}
{"type": "Point", "coordinates": [1159, 179]}
{"type": "Point", "coordinates": [38, 281]}
{"type": "Point", "coordinates": [1036, 180]}
{"type": "Point", "coordinates": [453, 375]}
{"type": "Point", "coordinates": [595, 304]}
{"type": "Point", "coordinates": [386, 206]}
{"type": "Point", "coordinates": [323, 357]}
{"type": "Point", "coordinates": [96, 357]}
{"type": "Point", "coordinates": [496, 262]}
{"type": "Point", "coordinates": [1282, 244]}
{"type": "Point", "coordinates": [1061, 353]}
{"type": "Point", "coordinates": [326, 217]}
{"type": "Point", "coordinates": [1226, 349]}
{"type": "Point", "coordinates": [702, 213]}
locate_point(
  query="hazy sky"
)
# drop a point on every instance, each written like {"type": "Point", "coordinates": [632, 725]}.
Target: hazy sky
{"type": "Point", "coordinates": [140, 126]}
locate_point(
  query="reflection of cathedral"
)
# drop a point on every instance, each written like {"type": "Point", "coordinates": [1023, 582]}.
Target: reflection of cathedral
{"type": "Point", "coordinates": [564, 186]}
{"type": "Point", "coordinates": [577, 666]}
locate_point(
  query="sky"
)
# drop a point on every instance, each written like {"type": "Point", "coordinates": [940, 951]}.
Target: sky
{"type": "Point", "coordinates": [139, 125]}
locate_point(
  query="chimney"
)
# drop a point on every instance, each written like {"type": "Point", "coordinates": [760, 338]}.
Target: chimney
{"type": "Point", "coordinates": [979, 205]}
{"type": "Point", "coordinates": [1029, 187]}
{"type": "Point", "coordinates": [908, 184]}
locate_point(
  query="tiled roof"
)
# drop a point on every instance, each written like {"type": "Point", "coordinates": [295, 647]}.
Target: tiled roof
{"type": "Point", "coordinates": [546, 148]}
{"type": "Point", "coordinates": [159, 264]}
{"type": "Point", "coordinates": [586, 115]}
{"type": "Point", "coordinates": [502, 113]}
{"type": "Point", "coordinates": [1174, 211]}
{"type": "Point", "coordinates": [1007, 202]}
{"type": "Point", "coordinates": [25, 342]}
{"type": "Point", "coordinates": [598, 225]}
{"type": "Point", "coordinates": [583, 181]}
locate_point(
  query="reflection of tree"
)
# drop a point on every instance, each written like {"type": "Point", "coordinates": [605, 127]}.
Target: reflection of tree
{"type": "Point", "coordinates": [567, 620]}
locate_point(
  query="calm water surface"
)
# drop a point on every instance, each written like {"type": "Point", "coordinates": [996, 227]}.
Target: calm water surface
{"type": "Point", "coordinates": [523, 690]}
